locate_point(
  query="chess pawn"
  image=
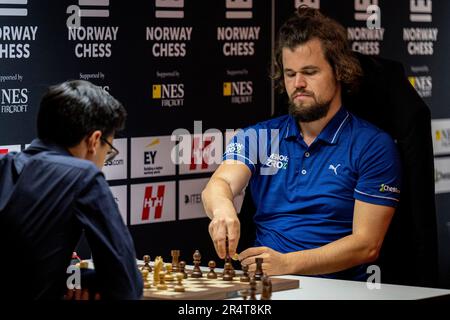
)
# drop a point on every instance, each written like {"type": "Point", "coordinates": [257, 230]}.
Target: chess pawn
{"type": "Point", "coordinates": [179, 286]}
{"type": "Point", "coordinates": [267, 288]}
{"type": "Point", "coordinates": [211, 273]}
{"type": "Point", "coordinates": [144, 273]}
{"type": "Point", "coordinates": [227, 274]}
{"type": "Point", "coordinates": [162, 282]}
{"type": "Point", "coordinates": [258, 271]}
{"type": "Point", "coordinates": [175, 264]}
{"type": "Point", "coordinates": [244, 294]}
{"type": "Point", "coordinates": [146, 265]}
{"type": "Point", "coordinates": [197, 272]}
{"type": "Point", "coordinates": [169, 275]}
{"type": "Point", "coordinates": [253, 288]}
{"type": "Point", "coordinates": [245, 277]}
{"type": "Point", "coordinates": [182, 266]}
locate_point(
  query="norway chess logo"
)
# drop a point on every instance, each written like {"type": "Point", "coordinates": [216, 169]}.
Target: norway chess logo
{"type": "Point", "coordinates": [153, 203]}
{"type": "Point", "coordinates": [169, 9]}
{"type": "Point", "coordinates": [86, 9]}
{"type": "Point", "coordinates": [239, 9]}
{"type": "Point", "coordinates": [334, 168]}
{"type": "Point", "coordinates": [16, 11]}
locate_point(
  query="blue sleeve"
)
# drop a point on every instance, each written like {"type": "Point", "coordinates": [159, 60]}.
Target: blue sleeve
{"type": "Point", "coordinates": [243, 147]}
{"type": "Point", "coordinates": [112, 246]}
{"type": "Point", "coordinates": [379, 172]}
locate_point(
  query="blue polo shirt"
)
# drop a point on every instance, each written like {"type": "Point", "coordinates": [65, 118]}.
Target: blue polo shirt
{"type": "Point", "coordinates": [305, 195]}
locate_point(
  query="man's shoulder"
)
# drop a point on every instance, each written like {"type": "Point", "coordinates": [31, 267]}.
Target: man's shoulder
{"type": "Point", "coordinates": [364, 129]}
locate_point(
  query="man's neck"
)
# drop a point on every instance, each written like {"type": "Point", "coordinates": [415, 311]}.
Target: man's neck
{"type": "Point", "coordinates": [310, 130]}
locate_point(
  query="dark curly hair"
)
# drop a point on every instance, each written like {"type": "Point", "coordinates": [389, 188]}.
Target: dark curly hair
{"type": "Point", "coordinates": [308, 23]}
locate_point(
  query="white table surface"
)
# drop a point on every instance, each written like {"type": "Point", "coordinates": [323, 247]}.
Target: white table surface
{"type": "Point", "coordinates": [313, 288]}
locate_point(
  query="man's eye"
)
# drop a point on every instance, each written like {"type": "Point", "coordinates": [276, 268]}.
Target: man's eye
{"type": "Point", "coordinates": [290, 74]}
{"type": "Point", "coordinates": [310, 73]}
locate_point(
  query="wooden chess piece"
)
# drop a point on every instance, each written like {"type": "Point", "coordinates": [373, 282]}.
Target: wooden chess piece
{"type": "Point", "coordinates": [162, 282]}
{"type": "Point", "coordinates": [252, 288]}
{"type": "Point", "coordinates": [146, 265]}
{"type": "Point", "coordinates": [169, 275]}
{"type": "Point", "coordinates": [244, 294]}
{"type": "Point", "coordinates": [267, 288]}
{"type": "Point", "coordinates": [245, 277]}
{"type": "Point", "coordinates": [144, 273]}
{"type": "Point", "coordinates": [182, 266]}
{"type": "Point", "coordinates": [211, 273]}
{"type": "Point", "coordinates": [179, 286]}
{"type": "Point", "coordinates": [197, 272]}
{"type": "Point", "coordinates": [259, 270]}
{"type": "Point", "coordinates": [227, 274]}
{"type": "Point", "coordinates": [175, 264]}
{"type": "Point", "coordinates": [157, 268]}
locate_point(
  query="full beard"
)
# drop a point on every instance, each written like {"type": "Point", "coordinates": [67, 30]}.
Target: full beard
{"type": "Point", "coordinates": [317, 110]}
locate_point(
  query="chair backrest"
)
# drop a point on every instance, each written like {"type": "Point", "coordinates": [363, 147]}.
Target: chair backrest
{"type": "Point", "coordinates": [386, 99]}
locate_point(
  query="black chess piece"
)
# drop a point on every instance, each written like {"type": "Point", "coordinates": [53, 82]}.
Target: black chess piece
{"type": "Point", "coordinates": [227, 274]}
{"type": "Point", "coordinates": [245, 277]}
{"type": "Point", "coordinates": [175, 264]}
{"type": "Point", "coordinates": [211, 273]}
{"type": "Point", "coordinates": [259, 270]}
{"type": "Point", "coordinates": [146, 265]}
{"type": "Point", "coordinates": [182, 266]}
{"type": "Point", "coordinates": [267, 288]}
{"type": "Point", "coordinates": [253, 288]}
{"type": "Point", "coordinates": [197, 272]}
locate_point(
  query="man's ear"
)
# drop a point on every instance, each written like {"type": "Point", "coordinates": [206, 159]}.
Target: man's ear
{"type": "Point", "coordinates": [93, 141]}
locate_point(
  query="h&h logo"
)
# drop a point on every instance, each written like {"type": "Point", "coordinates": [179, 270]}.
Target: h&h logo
{"type": "Point", "coordinates": [153, 202]}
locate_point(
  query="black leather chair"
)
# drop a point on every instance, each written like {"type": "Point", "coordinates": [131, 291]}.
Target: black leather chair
{"type": "Point", "coordinates": [409, 255]}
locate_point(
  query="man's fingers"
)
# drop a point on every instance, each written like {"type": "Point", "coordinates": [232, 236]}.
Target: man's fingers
{"type": "Point", "coordinates": [233, 232]}
{"type": "Point", "coordinates": [220, 239]}
{"type": "Point", "coordinates": [251, 253]}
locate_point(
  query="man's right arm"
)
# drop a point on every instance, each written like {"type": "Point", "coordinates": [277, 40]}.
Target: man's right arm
{"type": "Point", "coordinates": [226, 183]}
{"type": "Point", "coordinates": [112, 247]}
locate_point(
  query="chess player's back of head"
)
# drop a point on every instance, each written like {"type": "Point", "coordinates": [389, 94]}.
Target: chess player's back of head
{"type": "Point", "coordinates": [72, 110]}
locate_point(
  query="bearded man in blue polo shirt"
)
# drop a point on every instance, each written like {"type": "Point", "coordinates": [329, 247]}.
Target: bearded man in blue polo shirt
{"type": "Point", "coordinates": [325, 183]}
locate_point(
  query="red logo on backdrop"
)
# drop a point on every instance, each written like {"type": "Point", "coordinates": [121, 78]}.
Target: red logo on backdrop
{"type": "Point", "coordinates": [153, 202]}
{"type": "Point", "coordinates": [198, 152]}
{"type": "Point", "coordinates": [4, 151]}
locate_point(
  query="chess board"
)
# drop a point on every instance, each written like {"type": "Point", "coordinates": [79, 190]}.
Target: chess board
{"type": "Point", "coordinates": [212, 289]}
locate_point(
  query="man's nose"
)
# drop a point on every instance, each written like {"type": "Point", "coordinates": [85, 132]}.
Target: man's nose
{"type": "Point", "coordinates": [300, 81]}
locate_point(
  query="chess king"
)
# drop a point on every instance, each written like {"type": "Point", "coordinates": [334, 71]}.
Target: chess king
{"type": "Point", "coordinates": [320, 210]}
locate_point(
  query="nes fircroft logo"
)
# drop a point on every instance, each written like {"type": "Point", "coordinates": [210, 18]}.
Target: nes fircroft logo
{"type": "Point", "coordinates": [17, 38]}
{"type": "Point", "coordinates": [14, 100]}
{"type": "Point", "coordinates": [170, 95]}
{"type": "Point", "coordinates": [239, 91]}
{"type": "Point", "coordinates": [152, 202]}
{"type": "Point", "coordinates": [92, 41]}
{"type": "Point", "coordinates": [441, 136]}
{"type": "Point", "coordinates": [423, 85]}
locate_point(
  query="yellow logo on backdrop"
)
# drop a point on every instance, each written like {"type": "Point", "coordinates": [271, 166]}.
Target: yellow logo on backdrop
{"type": "Point", "coordinates": [227, 89]}
{"type": "Point", "coordinates": [438, 135]}
{"type": "Point", "coordinates": [156, 91]}
{"type": "Point", "coordinates": [412, 80]}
